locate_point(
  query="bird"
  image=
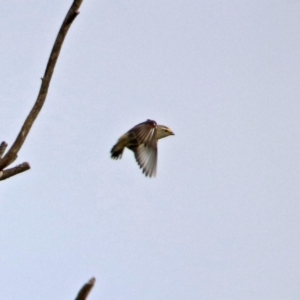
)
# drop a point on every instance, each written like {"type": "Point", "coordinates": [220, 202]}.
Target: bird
{"type": "Point", "coordinates": [142, 140]}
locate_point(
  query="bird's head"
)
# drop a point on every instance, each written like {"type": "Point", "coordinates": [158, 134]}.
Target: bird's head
{"type": "Point", "coordinates": [163, 131]}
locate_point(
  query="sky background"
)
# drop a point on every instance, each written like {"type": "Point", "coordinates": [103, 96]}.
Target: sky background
{"type": "Point", "coordinates": [221, 219]}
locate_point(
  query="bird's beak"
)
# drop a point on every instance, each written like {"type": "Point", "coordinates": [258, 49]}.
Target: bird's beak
{"type": "Point", "coordinates": [171, 132]}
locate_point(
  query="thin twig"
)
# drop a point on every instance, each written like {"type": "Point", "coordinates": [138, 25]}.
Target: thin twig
{"type": "Point", "coordinates": [14, 171]}
{"type": "Point", "coordinates": [85, 290]}
{"type": "Point", "coordinates": [2, 148]}
{"type": "Point", "coordinates": [11, 155]}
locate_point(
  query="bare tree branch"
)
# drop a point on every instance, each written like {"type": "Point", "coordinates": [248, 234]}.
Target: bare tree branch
{"type": "Point", "coordinates": [11, 154]}
{"type": "Point", "coordinates": [14, 171]}
{"type": "Point", "coordinates": [2, 148]}
{"type": "Point", "coordinates": [85, 290]}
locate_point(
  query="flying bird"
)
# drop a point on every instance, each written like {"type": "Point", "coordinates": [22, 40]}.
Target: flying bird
{"type": "Point", "coordinates": [142, 140]}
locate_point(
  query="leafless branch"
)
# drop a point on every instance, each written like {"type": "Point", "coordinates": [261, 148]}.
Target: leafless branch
{"type": "Point", "coordinates": [2, 148]}
{"type": "Point", "coordinates": [14, 171]}
{"type": "Point", "coordinates": [11, 154]}
{"type": "Point", "coordinates": [85, 290]}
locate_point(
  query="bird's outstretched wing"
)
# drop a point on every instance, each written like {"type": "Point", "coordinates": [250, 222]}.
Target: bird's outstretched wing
{"type": "Point", "coordinates": [146, 158]}
{"type": "Point", "coordinates": [145, 150]}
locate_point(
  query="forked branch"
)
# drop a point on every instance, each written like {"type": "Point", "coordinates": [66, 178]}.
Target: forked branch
{"type": "Point", "coordinates": [12, 153]}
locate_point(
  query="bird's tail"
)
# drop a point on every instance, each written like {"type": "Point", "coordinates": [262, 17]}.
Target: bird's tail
{"type": "Point", "coordinates": [117, 151]}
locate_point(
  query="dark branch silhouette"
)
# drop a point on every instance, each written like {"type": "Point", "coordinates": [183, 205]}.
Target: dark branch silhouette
{"type": "Point", "coordinates": [12, 154]}
{"type": "Point", "coordinates": [85, 290]}
{"type": "Point", "coordinates": [2, 148]}
{"type": "Point", "coordinates": [13, 171]}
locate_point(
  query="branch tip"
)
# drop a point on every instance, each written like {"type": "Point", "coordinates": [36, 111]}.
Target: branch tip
{"type": "Point", "coordinates": [3, 147]}
{"type": "Point", "coordinates": [14, 171]}
{"type": "Point", "coordinates": [92, 280]}
{"type": "Point", "coordinates": [85, 290]}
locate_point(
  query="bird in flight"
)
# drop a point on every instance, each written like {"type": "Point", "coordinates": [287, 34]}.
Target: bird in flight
{"type": "Point", "coordinates": [142, 140]}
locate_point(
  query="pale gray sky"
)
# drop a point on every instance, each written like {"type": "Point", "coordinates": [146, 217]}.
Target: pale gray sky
{"type": "Point", "coordinates": [221, 220]}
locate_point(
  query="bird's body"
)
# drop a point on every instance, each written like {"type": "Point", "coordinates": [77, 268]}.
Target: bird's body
{"type": "Point", "coordinates": [142, 140]}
